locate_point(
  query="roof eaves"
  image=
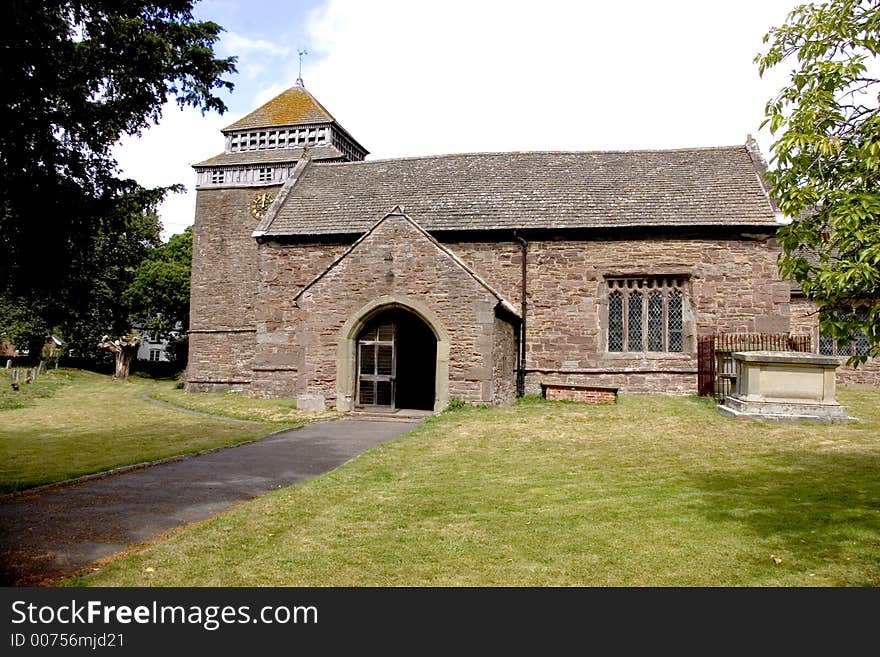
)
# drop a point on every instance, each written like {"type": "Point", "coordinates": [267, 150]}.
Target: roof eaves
{"type": "Point", "coordinates": [342, 257]}
{"type": "Point", "coordinates": [350, 138]}
{"type": "Point", "coordinates": [282, 195]}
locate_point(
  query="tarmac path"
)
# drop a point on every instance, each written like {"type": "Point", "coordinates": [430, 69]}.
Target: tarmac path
{"type": "Point", "coordinates": [48, 534]}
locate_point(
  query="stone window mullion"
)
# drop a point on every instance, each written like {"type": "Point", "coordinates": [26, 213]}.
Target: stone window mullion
{"type": "Point", "coordinates": [665, 320]}
{"type": "Point", "coordinates": [648, 301]}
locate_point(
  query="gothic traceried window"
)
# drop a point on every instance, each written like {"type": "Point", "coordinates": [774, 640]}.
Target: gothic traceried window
{"type": "Point", "coordinates": [654, 316]}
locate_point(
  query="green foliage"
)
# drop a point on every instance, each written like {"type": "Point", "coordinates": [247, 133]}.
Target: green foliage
{"type": "Point", "coordinates": [77, 75]}
{"type": "Point", "coordinates": [104, 276]}
{"type": "Point", "coordinates": [457, 404]}
{"type": "Point", "coordinates": [827, 160]}
{"type": "Point", "coordinates": [22, 325]}
{"type": "Point", "coordinates": [158, 296]}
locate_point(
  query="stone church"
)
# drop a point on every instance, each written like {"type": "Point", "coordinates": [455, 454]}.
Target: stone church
{"type": "Point", "coordinates": [403, 283]}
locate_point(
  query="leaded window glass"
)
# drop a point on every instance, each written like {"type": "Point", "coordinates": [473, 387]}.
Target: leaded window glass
{"type": "Point", "coordinates": [826, 345]}
{"type": "Point", "coordinates": [615, 322]}
{"type": "Point", "coordinates": [675, 321]}
{"type": "Point", "coordinates": [856, 345]}
{"type": "Point", "coordinates": [646, 314]}
{"type": "Point", "coordinates": [634, 333]}
{"type": "Point", "coordinates": [655, 322]}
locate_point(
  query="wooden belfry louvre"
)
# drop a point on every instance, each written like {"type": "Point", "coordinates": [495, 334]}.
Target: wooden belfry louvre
{"type": "Point", "coordinates": [377, 366]}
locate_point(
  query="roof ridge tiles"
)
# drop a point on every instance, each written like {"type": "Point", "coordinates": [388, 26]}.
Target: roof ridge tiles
{"type": "Point", "coordinates": [690, 149]}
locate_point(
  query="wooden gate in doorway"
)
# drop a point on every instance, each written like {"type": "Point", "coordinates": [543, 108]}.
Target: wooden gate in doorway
{"type": "Point", "coordinates": [377, 366]}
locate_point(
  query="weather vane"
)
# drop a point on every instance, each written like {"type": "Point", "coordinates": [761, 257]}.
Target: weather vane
{"type": "Point", "coordinates": [299, 79]}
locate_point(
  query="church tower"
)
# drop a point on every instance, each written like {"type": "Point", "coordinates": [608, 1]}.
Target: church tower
{"type": "Point", "coordinates": [263, 147]}
{"type": "Point", "coordinates": [234, 190]}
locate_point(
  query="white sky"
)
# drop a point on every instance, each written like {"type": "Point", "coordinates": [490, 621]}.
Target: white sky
{"type": "Point", "coordinates": [412, 78]}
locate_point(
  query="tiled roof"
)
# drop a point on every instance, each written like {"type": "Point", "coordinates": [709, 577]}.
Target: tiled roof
{"type": "Point", "coordinates": [296, 106]}
{"type": "Point", "coordinates": [486, 191]}
{"type": "Point", "coordinates": [276, 155]}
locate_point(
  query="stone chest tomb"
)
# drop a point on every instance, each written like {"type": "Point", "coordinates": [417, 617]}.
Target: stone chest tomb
{"type": "Point", "coordinates": [784, 387]}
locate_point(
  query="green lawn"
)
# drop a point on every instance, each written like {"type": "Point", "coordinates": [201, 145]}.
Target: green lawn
{"type": "Point", "coordinates": [71, 423]}
{"type": "Point", "coordinates": [44, 386]}
{"type": "Point", "coordinates": [655, 491]}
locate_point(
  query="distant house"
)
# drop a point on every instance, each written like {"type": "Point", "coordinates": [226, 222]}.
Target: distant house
{"type": "Point", "coordinates": [153, 348]}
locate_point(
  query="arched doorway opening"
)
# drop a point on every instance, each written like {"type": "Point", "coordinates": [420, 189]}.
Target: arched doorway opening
{"type": "Point", "coordinates": [396, 362]}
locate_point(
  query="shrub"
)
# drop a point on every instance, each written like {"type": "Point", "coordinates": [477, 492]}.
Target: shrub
{"type": "Point", "coordinates": [457, 404]}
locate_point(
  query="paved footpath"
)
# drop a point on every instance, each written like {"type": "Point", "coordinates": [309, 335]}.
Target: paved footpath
{"type": "Point", "coordinates": [56, 532]}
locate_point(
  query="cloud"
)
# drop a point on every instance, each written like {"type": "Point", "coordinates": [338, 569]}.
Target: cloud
{"type": "Point", "coordinates": [233, 43]}
{"type": "Point", "coordinates": [472, 76]}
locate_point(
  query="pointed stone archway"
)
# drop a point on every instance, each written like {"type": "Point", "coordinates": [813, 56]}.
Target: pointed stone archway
{"type": "Point", "coordinates": [361, 334]}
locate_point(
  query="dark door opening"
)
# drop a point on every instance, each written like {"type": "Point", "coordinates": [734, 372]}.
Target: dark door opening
{"type": "Point", "coordinates": [396, 362]}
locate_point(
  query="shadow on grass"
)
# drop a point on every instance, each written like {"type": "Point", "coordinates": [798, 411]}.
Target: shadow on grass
{"type": "Point", "coordinates": [820, 508]}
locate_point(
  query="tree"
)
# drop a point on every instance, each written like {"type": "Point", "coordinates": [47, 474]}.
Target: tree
{"type": "Point", "coordinates": [76, 76]}
{"type": "Point", "coordinates": [827, 161]}
{"type": "Point", "coordinates": [107, 272]}
{"type": "Point", "coordinates": [123, 349]}
{"type": "Point", "coordinates": [158, 297]}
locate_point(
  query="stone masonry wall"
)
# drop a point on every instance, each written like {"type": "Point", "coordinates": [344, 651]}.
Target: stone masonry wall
{"type": "Point", "coordinates": [733, 285]}
{"type": "Point", "coordinates": [805, 321]}
{"type": "Point", "coordinates": [396, 259]}
{"type": "Point", "coordinates": [504, 363]}
{"type": "Point", "coordinates": [246, 328]}
{"type": "Point", "coordinates": [224, 281]}
{"type": "Point", "coordinates": [284, 271]}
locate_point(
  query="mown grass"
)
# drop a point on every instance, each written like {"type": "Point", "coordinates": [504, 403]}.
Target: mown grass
{"type": "Point", "coordinates": [71, 423]}
{"type": "Point", "coordinates": [44, 386]}
{"type": "Point", "coordinates": [655, 491]}
{"type": "Point", "coordinates": [238, 405]}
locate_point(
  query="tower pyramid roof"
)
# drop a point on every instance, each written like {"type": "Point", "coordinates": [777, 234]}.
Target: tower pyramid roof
{"type": "Point", "coordinates": [295, 106]}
